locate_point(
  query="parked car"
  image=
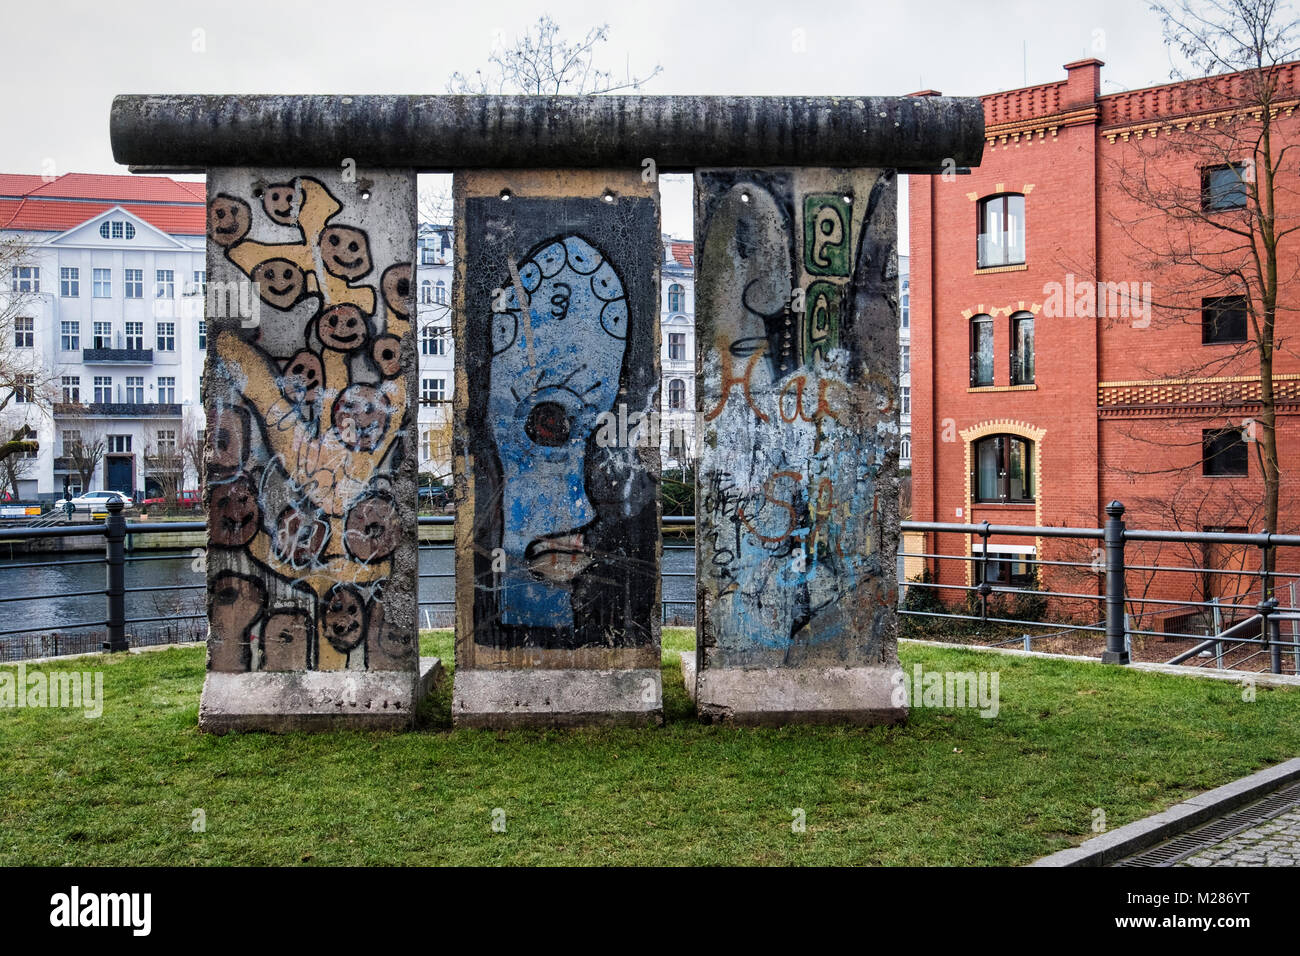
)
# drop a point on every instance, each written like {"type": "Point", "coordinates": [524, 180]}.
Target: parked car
{"type": "Point", "coordinates": [184, 499]}
{"type": "Point", "coordinates": [94, 501]}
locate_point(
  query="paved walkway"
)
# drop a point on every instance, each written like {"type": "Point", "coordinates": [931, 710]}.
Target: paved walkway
{"type": "Point", "coordinates": [1275, 842]}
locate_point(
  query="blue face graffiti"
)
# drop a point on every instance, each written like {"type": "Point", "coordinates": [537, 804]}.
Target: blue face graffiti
{"type": "Point", "coordinates": [559, 333]}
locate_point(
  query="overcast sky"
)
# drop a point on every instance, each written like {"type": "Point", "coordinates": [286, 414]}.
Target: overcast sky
{"type": "Point", "coordinates": [65, 59]}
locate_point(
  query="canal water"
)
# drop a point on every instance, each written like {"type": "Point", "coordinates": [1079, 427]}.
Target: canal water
{"type": "Point", "coordinates": [53, 589]}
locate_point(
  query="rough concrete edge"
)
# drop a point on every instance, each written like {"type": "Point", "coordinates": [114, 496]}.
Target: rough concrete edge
{"type": "Point", "coordinates": [1151, 667]}
{"type": "Point", "coordinates": [431, 675]}
{"type": "Point", "coordinates": [870, 700]}
{"type": "Point", "coordinates": [312, 718]}
{"type": "Point", "coordinates": [1181, 817]}
{"type": "Point", "coordinates": [622, 707]}
{"type": "Point", "coordinates": [688, 673]}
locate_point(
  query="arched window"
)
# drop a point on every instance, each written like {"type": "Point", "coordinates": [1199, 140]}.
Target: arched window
{"type": "Point", "coordinates": [1004, 469]}
{"type": "Point", "coordinates": [1022, 348]}
{"type": "Point", "coordinates": [440, 292]}
{"type": "Point", "coordinates": [676, 393]}
{"type": "Point", "coordinates": [905, 450]}
{"type": "Point", "coordinates": [426, 292]}
{"type": "Point", "coordinates": [981, 350]}
{"type": "Point", "coordinates": [116, 229]}
{"type": "Point", "coordinates": [676, 298]}
{"type": "Point", "coordinates": [1001, 240]}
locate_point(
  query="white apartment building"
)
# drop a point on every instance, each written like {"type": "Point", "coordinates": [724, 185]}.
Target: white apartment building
{"type": "Point", "coordinates": [677, 355]}
{"type": "Point", "coordinates": [111, 318]}
{"type": "Point", "coordinates": [433, 274]}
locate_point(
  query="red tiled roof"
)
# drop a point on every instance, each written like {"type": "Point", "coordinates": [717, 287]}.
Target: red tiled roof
{"type": "Point", "coordinates": [57, 206]}
{"type": "Point", "coordinates": [18, 184]}
{"type": "Point", "coordinates": [121, 189]}
{"type": "Point", "coordinates": [684, 253]}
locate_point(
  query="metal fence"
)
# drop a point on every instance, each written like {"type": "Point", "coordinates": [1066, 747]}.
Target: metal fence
{"type": "Point", "coordinates": [1261, 613]}
{"type": "Point", "coordinates": [1247, 627]}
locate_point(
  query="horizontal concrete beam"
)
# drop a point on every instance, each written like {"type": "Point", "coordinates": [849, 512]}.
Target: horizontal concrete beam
{"type": "Point", "coordinates": [440, 133]}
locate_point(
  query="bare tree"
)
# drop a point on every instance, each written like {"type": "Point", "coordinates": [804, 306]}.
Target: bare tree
{"type": "Point", "coordinates": [1223, 239]}
{"type": "Point", "coordinates": [84, 446]}
{"type": "Point", "coordinates": [544, 63]}
{"type": "Point", "coordinates": [190, 446]}
{"type": "Point", "coordinates": [26, 384]}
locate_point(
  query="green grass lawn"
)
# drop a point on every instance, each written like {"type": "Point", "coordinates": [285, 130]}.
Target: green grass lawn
{"type": "Point", "coordinates": [949, 787]}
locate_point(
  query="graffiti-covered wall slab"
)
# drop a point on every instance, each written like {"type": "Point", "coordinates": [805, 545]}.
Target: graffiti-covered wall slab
{"type": "Point", "coordinates": [556, 446]}
{"type": "Point", "coordinates": [310, 446]}
{"type": "Point", "coordinates": [797, 361]}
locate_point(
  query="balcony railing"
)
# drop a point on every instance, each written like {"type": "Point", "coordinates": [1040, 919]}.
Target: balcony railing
{"type": "Point", "coordinates": [119, 410]}
{"type": "Point", "coordinates": [117, 356]}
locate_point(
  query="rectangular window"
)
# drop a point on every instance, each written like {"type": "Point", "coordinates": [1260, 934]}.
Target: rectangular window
{"type": "Point", "coordinates": [426, 252]}
{"type": "Point", "coordinates": [1005, 568]}
{"type": "Point", "coordinates": [200, 284]}
{"type": "Point", "coordinates": [166, 336]}
{"type": "Point", "coordinates": [27, 278]}
{"type": "Point", "coordinates": [71, 441]}
{"type": "Point", "coordinates": [167, 389]}
{"type": "Point", "coordinates": [203, 334]}
{"type": "Point", "coordinates": [1223, 320]}
{"type": "Point", "coordinates": [426, 444]}
{"type": "Point", "coordinates": [103, 283]}
{"type": "Point", "coordinates": [905, 361]}
{"type": "Point", "coordinates": [433, 340]}
{"type": "Point", "coordinates": [103, 389]}
{"type": "Point", "coordinates": [1001, 240]}
{"type": "Point", "coordinates": [905, 400]}
{"type": "Point", "coordinates": [69, 336]}
{"type": "Point", "coordinates": [25, 389]}
{"type": "Point", "coordinates": [981, 350]}
{"type": "Point", "coordinates": [1223, 187]}
{"type": "Point", "coordinates": [905, 309]}
{"type": "Point", "coordinates": [433, 390]}
{"type": "Point", "coordinates": [1223, 453]}
{"type": "Point", "coordinates": [135, 335]}
{"type": "Point", "coordinates": [72, 389]}
{"type": "Point", "coordinates": [119, 444]}
{"type": "Point", "coordinates": [103, 335]}
{"type": "Point", "coordinates": [69, 282]}
{"type": "Point", "coordinates": [134, 280]}
{"type": "Point", "coordinates": [165, 284]}
{"type": "Point", "coordinates": [1003, 469]}
{"type": "Point", "coordinates": [24, 332]}
{"type": "Point", "coordinates": [135, 389]}
{"type": "Point", "coordinates": [677, 346]}
{"type": "Point", "coordinates": [166, 441]}
{"type": "Point", "coordinates": [1022, 350]}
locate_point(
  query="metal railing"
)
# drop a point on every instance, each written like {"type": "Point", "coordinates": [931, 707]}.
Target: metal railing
{"type": "Point", "coordinates": [1116, 608]}
{"type": "Point", "coordinates": [1259, 630]}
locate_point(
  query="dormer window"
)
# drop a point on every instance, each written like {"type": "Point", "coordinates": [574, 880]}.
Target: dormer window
{"type": "Point", "coordinates": [116, 229]}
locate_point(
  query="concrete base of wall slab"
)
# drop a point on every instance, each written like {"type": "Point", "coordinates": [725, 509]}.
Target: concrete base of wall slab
{"type": "Point", "coordinates": [284, 701]}
{"type": "Point", "coordinates": [688, 673]}
{"type": "Point", "coordinates": [556, 698]}
{"type": "Point", "coordinates": [773, 696]}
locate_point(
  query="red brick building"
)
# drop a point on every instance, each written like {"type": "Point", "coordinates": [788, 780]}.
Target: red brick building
{"type": "Point", "coordinates": [1060, 361]}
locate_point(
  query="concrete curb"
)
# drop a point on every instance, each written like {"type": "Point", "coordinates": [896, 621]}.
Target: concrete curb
{"type": "Point", "coordinates": [1174, 670]}
{"type": "Point", "coordinates": [1141, 834]}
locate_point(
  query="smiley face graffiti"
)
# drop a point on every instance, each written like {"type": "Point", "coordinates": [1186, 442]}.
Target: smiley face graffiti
{"type": "Point", "coordinates": [307, 430]}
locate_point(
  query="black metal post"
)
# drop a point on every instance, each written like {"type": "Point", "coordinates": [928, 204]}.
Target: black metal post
{"type": "Point", "coordinates": [1116, 652]}
{"type": "Point", "coordinates": [1269, 626]}
{"type": "Point", "coordinates": [115, 559]}
{"type": "Point", "coordinates": [985, 589]}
